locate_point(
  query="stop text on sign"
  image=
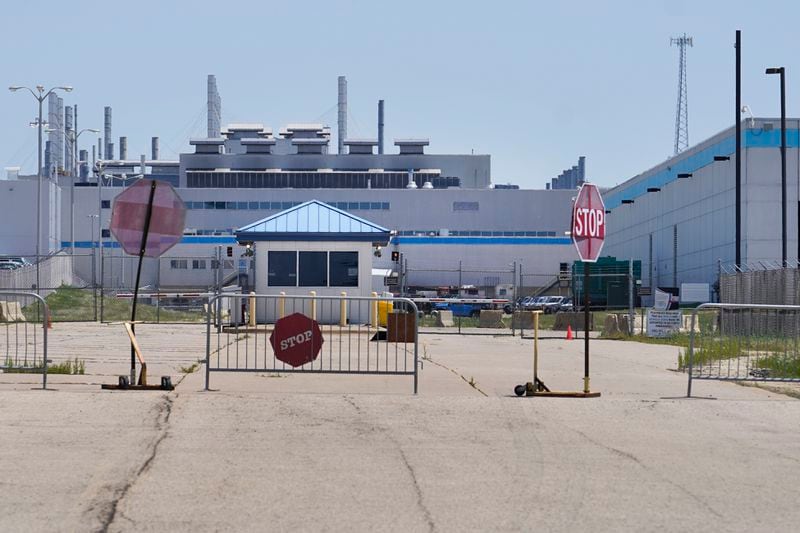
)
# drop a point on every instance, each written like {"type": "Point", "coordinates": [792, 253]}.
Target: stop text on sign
{"type": "Point", "coordinates": [589, 222]}
{"type": "Point", "coordinates": [300, 338]}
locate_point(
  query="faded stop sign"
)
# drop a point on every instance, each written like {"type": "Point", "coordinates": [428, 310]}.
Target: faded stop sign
{"type": "Point", "coordinates": [296, 339]}
{"type": "Point", "coordinates": [167, 218]}
{"type": "Point", "coordinates": [589, 223]}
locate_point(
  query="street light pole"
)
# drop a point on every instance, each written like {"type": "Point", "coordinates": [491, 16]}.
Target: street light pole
{"type": "Point", "coordinates": [40, 97]}
{"type": "Point", "coordinates": [782, 72]}
{"type": "Point", "coordinates": [94, 276]}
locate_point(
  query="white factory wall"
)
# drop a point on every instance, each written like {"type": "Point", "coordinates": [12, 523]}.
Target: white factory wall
{"type": "Point", "coordinates": [702, 208]}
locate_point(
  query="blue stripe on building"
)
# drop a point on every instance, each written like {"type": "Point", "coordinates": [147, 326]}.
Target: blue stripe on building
{"type": "Point", "coordinates": [694, 162]}
{"type": "Point", "coordinates": [484, 241]}
{"type": "Point", "coordinates": [187, 239]}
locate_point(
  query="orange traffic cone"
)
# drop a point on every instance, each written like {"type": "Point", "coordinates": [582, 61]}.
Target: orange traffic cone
{"type": "Point", "coordinates": [569, 332]}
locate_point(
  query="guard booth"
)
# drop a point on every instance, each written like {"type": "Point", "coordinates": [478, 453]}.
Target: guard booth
{"type": "Point", "coordinates": [313, 247]}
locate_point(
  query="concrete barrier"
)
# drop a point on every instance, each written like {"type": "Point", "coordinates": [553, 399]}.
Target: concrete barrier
{"type": "Point", "coordinates": [611, 326]}
{"type": "Point", "coordinates": [11, 312]}
{"type": "Point", "coordinates": [574, 320]}
{"type": "Point", "coordinates": [491, 319]}
{"type": "Point", "coordinates": [444, 319]}
{"type": "Point", "coordinates": [523, 320]}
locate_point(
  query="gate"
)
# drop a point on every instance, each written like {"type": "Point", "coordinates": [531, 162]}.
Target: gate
{"type": "Point", "coordinates": [23, 348]}
{"type": "Point", "coordinates": [359, 335]}
{"type": "Point", "coordinates": [743, 342]}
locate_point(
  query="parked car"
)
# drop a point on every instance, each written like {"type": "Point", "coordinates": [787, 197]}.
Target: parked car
{"type": "Point", "coordinates": [566, 305]}
{"type": "Point", "coordinates": [552, 304]}
{"type": "Point", "coordinates": [536, 303]}
{"type": "Point", "coordinates": [7, 265]}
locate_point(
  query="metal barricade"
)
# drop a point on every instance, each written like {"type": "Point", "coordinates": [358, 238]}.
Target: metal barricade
{"type": "Point", "coordinates": [23, 349]}
{"type": "Point", "coordinates": [743, 342]}
{"type": "Point", "coordinates": [326, 335]}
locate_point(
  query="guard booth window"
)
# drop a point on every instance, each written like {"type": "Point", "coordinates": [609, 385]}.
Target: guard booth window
{"type": "Point", "coordinates": [313, 269]}
{"type": "Point", "coordinates": [282, 269]}
{"type": "Point", "coordinates": [344, 269]}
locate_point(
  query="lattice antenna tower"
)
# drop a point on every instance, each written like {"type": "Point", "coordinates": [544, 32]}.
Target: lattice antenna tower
{"type": "Point", "coordinates": [682, 113]}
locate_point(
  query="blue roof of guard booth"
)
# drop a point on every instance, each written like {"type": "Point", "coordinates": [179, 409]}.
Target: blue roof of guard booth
{"type": "Point", "coordinates": [313, 221]}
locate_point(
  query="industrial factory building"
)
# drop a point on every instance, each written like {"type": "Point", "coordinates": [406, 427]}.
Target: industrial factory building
{"type": "Point", "coordinates": [679, 217]}
{"type": "Point", "coordinates": [443, 210]}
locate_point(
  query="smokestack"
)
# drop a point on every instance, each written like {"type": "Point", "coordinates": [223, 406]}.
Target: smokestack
{"type": "Point", "coordinates": [94, 155]}
{"type": "Point", "coordinates": [342, 112]}
{"type": "Point", "coordinates": [380, 126]}
{"type": "Point", "coordinates": [83, 156]}
{"type": "Point", "coordinates": [109, 151]}
{"type": "Point", "coordinates": [123, 148]}
{"type": "Point", "coordinates": [100, 149]}
{"type": "Point", "coordinates": [214, 103]}
{"type": "Point", "coordinates": [154, 148]}
{"type": "Point", "coordinates": [69, 164]}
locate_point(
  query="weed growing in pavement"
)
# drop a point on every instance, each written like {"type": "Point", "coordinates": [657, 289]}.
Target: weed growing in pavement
{"type": "Point", "coordinates": [190, 369]}
{"type": "Point", "coordinates": [74, 367]}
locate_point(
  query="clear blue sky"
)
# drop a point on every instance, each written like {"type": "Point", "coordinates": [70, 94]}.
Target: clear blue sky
{"type": "Point", "coordinates": [534, 84]}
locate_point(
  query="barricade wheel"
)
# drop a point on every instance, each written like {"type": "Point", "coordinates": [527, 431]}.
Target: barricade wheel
{"type": "Point", "coordinates": [519, 390]}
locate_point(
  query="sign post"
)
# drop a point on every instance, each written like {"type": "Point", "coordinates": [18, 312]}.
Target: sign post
{"type": "Point", "coordinates": [588, 234]}
{"type": "Point", "coordinates": [147, 219]}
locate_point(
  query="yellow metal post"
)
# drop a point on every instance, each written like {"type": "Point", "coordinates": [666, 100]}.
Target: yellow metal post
{"type": "Point", "coordinates": [535, 349]}
{"type": "Point", "coordinates": [373, 312]}
{"type": "Point", "coordinates": [343, 310]}
{"type": "Point", "coordinates": [282, 305]}
{"type": "Point", "coordinates": [313, 304]}
{"type": "Point", "coordinates": [252, 317]}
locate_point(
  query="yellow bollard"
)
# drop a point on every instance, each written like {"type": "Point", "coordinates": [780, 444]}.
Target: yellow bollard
{"type": "Point", "coordinates": [373, 310]}
{"type": "Point", "coordinates": [343, 310]}
{"type": "Point", "coordinates": [252, 310]}
{"type": "Point", "coordinates": [282, 305]}
{"type": "Point", "coordinates": [313, 304]}
{"type": "Point", "coordinates": [535, 348]}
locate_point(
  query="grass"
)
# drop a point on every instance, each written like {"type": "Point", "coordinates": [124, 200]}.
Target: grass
{"type": "Point", "coordinates": [190, 369]}
{"type": "Point", "coordinates": [70, 304]}
{"type": "Point", "coordinates": [74, 367]}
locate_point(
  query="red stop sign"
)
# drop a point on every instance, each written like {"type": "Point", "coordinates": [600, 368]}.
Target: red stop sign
{"type": "Point", "coordinates": [589, 223]}
{"type": "Point", "coordinates": [166, 220]}
{"type": "Point", "coordinates": [296, 339]}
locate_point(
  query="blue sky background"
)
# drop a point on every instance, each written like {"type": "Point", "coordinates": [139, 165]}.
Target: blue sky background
{"type": "Point", "coordinates": [534, 84]}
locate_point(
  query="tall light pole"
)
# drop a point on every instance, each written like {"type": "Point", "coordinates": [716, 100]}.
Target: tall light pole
{"type": "Point", "coordinates": [40, 95]}
{"type": "Point", "coordinates": [782, 72]}
{"type": "Point", "coordinates": [94, 277]}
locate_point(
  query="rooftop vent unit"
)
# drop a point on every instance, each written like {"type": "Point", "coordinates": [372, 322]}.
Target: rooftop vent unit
{"type": "Point", "coordinates": [207, 146]}
{"type": "Point", "coordinates": [258, 145]}
{"type": "Point", "coordinates": [306, 131]}
{"type": "Point", "coordinates": [246, 131]}
{"type": "Point", "coordinates": [360, 146]}
{"type": "Point", "coordinates": [310, 146]}
{"type": "Point", "coordinates": [411, 146]}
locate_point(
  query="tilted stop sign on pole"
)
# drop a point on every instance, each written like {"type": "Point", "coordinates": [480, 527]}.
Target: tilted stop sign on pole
{"type": "Point", "coordinates": [588, 234]}
{"type": "Point", "coordinates": [147, 220]}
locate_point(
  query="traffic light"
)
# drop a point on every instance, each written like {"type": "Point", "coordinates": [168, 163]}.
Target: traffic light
{"type": "Point", "coordinates": [230, 251]}
{"type": "Point", "coordinates": [396, 256]}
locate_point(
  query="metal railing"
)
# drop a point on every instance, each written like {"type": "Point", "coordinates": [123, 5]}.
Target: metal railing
{"type": "Point", "coordinates": [744, 342]}
{"type": "Point", "coordinates": [22, 348]}
{"type": "Point", "coordinates": [336, 335]}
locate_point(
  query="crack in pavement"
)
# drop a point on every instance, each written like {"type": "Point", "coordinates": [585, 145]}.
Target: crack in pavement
{"type": "Point", "coordinates": [638, 462]}
{"type": "Point", "coordinates": [412, 474]}
{"type": "Point", "coordinates": [420, 503]}
{"type": "Point", "coordinates": [470, 382]}
{"type": "Point", "coordinates": [109, 510]}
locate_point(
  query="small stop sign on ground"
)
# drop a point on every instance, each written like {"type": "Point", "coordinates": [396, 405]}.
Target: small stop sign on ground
{"type": "Point", "coordinates": [296, 339]}
{"type": "Point", "coordinates": [589, 223]}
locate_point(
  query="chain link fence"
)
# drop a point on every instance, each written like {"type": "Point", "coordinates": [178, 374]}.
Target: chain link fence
{"type": "Point", "coordinates": [760, 284]}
